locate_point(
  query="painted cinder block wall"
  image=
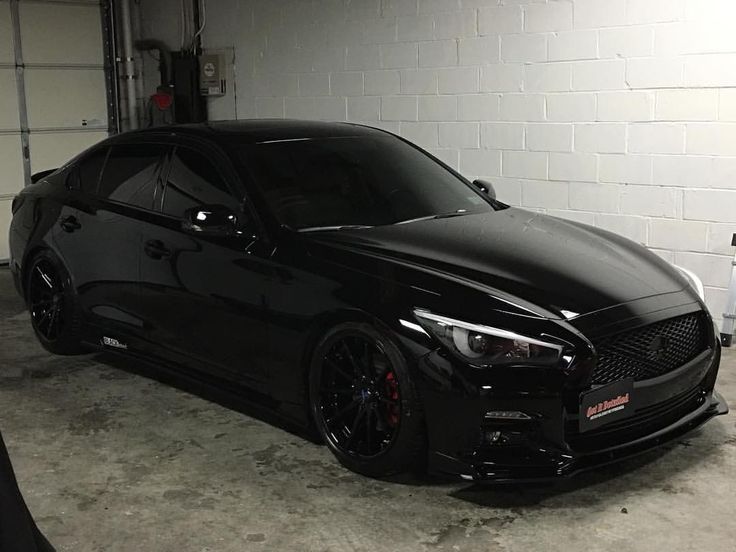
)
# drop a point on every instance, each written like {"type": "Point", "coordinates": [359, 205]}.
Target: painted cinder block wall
{"type": "Point", "coordinates": [616, 113]}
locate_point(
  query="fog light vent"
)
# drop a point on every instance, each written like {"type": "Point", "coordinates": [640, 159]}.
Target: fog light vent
{"type": "Point", "coordinates": [492, 437]}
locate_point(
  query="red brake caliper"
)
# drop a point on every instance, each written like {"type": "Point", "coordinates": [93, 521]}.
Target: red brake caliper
{"type": "Point", "coordinates": [392, 392]}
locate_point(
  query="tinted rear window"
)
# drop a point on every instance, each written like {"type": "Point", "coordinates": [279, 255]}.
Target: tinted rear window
{"type": "Point", "coordinates": [130, 174]}
{"type": "Point", "coordinates": [86, 175]}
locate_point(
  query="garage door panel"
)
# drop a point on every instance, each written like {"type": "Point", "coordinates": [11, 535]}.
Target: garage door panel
{"type": "Point", "coordinates": [6, 35]}
{"type": "Point", "coordinates": [55, 33]}
{"type": "Point", "coordinates": [9, 119]}
{"type": "Point", "coordinates": [82, 99]}
{"type": "Point", "coordinates": [50, 150]}
{"type": "Point", "coordinates": [11, 161]}
{"type": "Point", "coordinates": [5, 216]}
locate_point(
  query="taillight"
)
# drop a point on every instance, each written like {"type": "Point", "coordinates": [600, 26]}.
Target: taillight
{"type": "Point", "coordinates": [17, 202]}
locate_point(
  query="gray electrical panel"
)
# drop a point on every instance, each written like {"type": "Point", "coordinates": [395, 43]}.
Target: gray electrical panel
{"type": "Point", "coordinates": [212, 74]}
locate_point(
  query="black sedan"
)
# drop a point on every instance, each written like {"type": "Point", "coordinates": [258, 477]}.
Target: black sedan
{"type": "Point", "coordinates": [354, 284]}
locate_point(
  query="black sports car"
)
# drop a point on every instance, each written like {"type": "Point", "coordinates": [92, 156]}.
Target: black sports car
{"type": "Point", "coordinates": [348, 280]}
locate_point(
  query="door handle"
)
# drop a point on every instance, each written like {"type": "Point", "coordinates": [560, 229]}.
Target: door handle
{"type": "Point", "coordinates": [156, 250]}
{"type": "Point", "coordinates": [70, 224]}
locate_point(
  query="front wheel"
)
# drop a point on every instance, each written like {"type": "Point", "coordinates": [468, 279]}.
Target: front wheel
{"type": "Point", "coordinates": [364, 402]}
{"type": "Point", "coordinates": [53, 306]}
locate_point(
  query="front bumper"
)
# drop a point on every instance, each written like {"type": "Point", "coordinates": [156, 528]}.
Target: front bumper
{"type": "Point", "coordinates": [550, 464]}
{"type": "Point", "coordinates": [548, 443]}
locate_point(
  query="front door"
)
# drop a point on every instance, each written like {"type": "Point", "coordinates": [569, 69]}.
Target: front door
{"type": "Point", "coordinates": [204, 296]}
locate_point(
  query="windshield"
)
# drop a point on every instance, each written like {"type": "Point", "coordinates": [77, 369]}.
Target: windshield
{"type": "Point", "coordinates": [327, 183]}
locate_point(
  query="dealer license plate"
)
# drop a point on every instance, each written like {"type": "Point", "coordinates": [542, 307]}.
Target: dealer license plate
{"type": "Point", "coordinates": [606, 404]}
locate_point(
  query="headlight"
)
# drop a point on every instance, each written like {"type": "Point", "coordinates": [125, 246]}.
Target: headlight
{"type": "Point", "coordinates": [695, 282]}
{"type": "Point", "coordinates": [484, 345]}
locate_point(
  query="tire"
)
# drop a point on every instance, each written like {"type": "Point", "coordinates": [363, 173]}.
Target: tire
{"type": "Point", "coordinates": [52, 302]}
{"type": "Point", "coordinates": [364, 402]}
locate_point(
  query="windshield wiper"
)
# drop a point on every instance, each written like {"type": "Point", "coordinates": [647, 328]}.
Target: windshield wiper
{"type": "Point", "coordinates": [458, 213]}
{"type": "Point", "coordinates": [336, 227]}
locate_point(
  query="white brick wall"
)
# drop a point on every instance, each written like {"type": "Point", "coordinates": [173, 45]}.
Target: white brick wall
{"type": "Point", "coordinates": [617, 113]}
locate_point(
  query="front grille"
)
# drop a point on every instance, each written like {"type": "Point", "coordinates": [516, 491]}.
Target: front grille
{"type": "Point", "coordinates": [650, 351]}
{"type": "Point", "coordinates": [645, 421]}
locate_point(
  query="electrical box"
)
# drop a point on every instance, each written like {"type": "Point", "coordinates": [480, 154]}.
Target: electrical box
{"type": "Point", "coordinates": [189, 106]}
{"type": "Point", "coordinates": [212, 74]}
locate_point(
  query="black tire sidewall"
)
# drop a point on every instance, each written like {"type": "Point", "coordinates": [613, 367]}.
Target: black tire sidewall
{"type": "Point", "coordinates": [405, 452]}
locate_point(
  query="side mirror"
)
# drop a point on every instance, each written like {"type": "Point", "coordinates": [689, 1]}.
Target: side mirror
{"type": "Point", "coordinates": [210, 220]}
{"type": "Point", "coordinates": [485, 187]}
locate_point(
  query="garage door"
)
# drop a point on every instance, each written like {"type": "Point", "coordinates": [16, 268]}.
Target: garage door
{"type": "Point", "coordinates": [56, 104]}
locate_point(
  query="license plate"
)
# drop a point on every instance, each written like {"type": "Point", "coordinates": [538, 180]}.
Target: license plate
{"type": "Point", "coordinates": [606, 404]}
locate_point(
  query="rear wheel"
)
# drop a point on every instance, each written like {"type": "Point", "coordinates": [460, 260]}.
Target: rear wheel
{"type": "Point", "coordinates": [53, 306]}
{"type": "Point", "coordinates": [364, 402]}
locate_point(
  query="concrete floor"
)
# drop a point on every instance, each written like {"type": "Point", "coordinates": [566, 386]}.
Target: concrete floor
{"type": "Point", "coordinates": [110, 460]}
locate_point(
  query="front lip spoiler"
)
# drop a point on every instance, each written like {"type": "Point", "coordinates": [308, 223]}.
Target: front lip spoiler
{"type": "Point", "coordinates": [561, 465]}
{"type": "Point", "coordinates": [714, 406]}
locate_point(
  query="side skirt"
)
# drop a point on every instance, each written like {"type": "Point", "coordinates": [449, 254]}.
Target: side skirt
{"type": "Point", "coordinates": [223, 392]}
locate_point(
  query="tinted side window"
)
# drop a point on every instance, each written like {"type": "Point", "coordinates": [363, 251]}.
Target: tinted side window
{"type": "Point", "coordinates": [130, 174]}
{"type": "Point", "coordinates": [86, 174]}
{"type": "Point", "coordinates": [193, 180]}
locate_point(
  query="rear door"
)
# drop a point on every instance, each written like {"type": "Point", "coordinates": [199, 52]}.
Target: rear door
{"type": "Point", "coordinates": [99, 232]}
{"type": "Point", "coordinates": [204, 296]}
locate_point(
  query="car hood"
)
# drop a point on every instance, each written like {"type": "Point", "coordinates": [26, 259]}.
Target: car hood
{"type": "Point", "coordinates": [562, 266]}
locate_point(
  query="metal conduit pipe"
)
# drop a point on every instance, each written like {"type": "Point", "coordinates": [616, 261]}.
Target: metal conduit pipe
{"type": "Point", "coordinates": [136, 26]}
{"type": "Point", "coordinates": [129, 64]}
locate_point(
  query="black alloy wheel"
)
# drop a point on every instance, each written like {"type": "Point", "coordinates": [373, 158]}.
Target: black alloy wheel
{"type": "Point", "coordinates": [53, 306]}
{"type": "Point", "coordinates": [359, 397]}
{"type": "Point", "coordinates": [364, 402]}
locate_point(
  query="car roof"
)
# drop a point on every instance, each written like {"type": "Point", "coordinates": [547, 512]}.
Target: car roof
{"type": "Point", "coordinates": [261, 130]}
